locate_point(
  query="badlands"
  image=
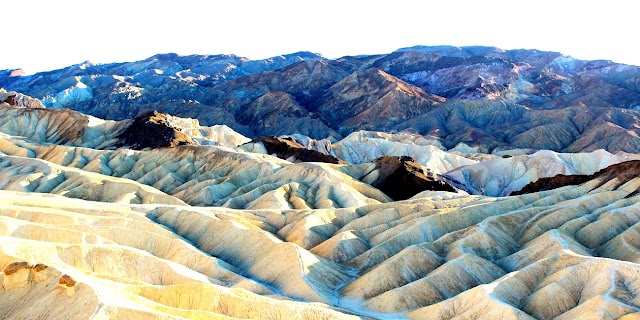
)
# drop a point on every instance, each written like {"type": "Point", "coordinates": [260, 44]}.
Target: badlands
{"type": "Point", "coordinates": [157, 217]}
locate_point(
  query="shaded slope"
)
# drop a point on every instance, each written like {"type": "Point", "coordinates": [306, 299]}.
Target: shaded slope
{"type": "Point", "coordinates": [256, 101]}
{"type": "Point", "coordinates": [278, 113]}
{"type": "Point", "coordinates": [373, 99]}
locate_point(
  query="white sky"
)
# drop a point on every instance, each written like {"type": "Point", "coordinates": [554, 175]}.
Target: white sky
{"type": "Point", "coordinates": [42, 35]}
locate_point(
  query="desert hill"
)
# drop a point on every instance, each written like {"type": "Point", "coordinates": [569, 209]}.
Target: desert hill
{"type": "Point", "coordinates": [96, 224]}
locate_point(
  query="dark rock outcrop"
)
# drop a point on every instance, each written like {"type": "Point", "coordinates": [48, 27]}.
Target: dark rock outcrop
{"type": "Point", "coordinates": [15, 267]}
{"type": "Point", "coordinates": [401, 178]}
{"type": "Point", "coordinates": [67, 281]}
{"type": "Point", "coordinates": [19, 265]}
{"type": "Point", "coordinates": [40, 267]}
{"type": "Point", "coordinates": [11, 100]}
{"type": "Point", "coordinates": [622, 172]}
{"type": "Point", "coordinates": [288, 149]}
{"type": "Point", "coordinates": [550, 183]}
{"type": "Point", "coordinates": [152, 130]}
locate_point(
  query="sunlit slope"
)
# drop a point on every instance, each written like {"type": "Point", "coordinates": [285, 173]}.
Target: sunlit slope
{"type": "Point", "coordinates": [553, 254]}
{"type": "Point", "coordinates": [65, 258]}
{"type": "Point", "coordinates": [203, 175]}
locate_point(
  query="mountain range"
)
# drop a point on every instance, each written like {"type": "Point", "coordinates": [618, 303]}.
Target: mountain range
{"type": "Point", "coordinates": [429, 183]}
{"type": "Point", "coordinates": [482, 97]}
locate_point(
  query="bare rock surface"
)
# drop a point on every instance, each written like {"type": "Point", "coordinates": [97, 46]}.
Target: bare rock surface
{"type": "Point", "coordinates": [152, 130]}
{"type": "Point", "coordinates": [15, 99]}
{"type": "Point", "coordinates": [621, 172]}
{"type": "Point", "coordinates": [401, 178]}
{"type": "Point", "coordinates": [289, 149]}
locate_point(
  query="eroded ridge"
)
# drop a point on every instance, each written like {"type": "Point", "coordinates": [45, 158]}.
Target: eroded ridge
{"type": "Point", "coordinates": [546, 255]}
{"type": "Point", "coordinates": [216, 232]}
